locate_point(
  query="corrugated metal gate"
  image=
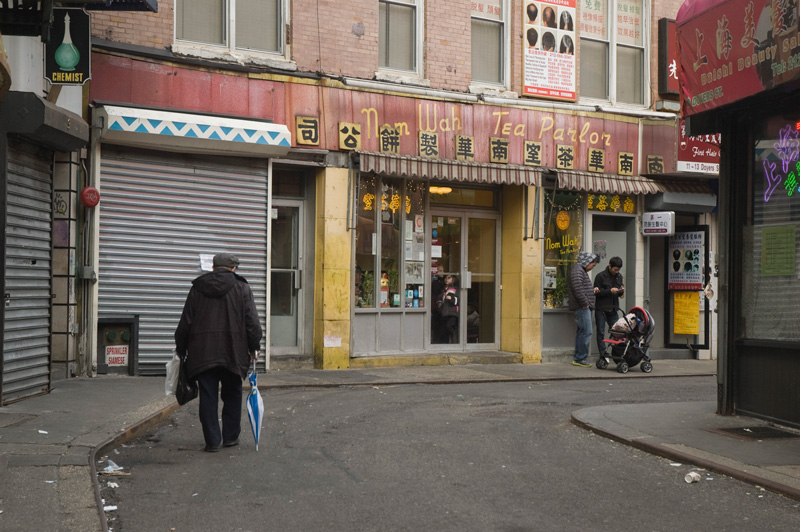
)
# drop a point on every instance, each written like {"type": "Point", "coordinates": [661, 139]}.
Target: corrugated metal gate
{"type": "Point", "coordinates": [27, 258]}
{"type": "Point", "coordinates": [159, 213]}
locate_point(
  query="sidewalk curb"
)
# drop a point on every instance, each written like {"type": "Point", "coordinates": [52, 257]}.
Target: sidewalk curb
{"type": "Point", "coordinates": [128, 434]}
{"type": "Point", "coordinates": [477, 380]}
{"type": "Point", "coordinates": [673, 454]}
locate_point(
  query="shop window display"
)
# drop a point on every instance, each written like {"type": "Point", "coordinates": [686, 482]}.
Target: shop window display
{"type": "Point", "coordinates": [563, 234]}
{"type": "Point", "coordinates": [389, 263]}
{"type": "Point", "coordinates": [771, 235]}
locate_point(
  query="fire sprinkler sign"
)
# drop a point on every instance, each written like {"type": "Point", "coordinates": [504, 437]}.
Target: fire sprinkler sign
{"type": "Point", "coordinates": [117, 355]}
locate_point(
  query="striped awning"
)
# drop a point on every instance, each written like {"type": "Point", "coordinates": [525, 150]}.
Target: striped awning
{"type": "Point", "coordinates": [606, 183]}
{"type": "Point", "coordinates": [449, 170]}
{"type": "Point", "coordinates": [686, 187]}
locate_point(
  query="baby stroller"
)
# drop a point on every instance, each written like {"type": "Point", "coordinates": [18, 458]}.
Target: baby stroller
{"type": "Point", "coordinates": [630, 341]}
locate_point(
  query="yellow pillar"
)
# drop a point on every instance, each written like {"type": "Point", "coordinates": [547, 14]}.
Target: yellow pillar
{"type": "Point", "coordinates": [521, 278]}
{"type": "Point", "coordinates": [332, 287]}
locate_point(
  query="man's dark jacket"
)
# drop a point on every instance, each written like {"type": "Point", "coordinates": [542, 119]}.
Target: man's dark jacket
{"type": "Point", "coordinates": [219, 326]}
{"type": "Point", "coordinates": [605, 281]}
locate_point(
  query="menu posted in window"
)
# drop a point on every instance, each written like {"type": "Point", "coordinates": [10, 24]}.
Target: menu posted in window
{"type": "Point", "coordinates": [549, 43]}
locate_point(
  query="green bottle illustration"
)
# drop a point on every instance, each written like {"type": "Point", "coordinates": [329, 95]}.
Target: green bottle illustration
{"type": "Point", "coordinates": [67, 55]}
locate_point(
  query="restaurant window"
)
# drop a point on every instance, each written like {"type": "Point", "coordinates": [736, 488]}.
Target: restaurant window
{"type": "Point", "coordinates": [488, 42]}
{"type": "Point", "coordinates": [612, 50]}
{"type": "Point", "coordinates": [473, 197]}
{"type": "Point", "coordinates": [397, 34]}
{"type": "Point", "coordinates": [563, 234]}
{"type": "Point", "coordinates": [771, 235]}
{"type": "Point", "coordinates": [390, 243]}
{"type": "Point", "coordinates": [248, 25]}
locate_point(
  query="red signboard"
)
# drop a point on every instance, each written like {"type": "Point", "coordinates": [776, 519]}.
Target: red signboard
{"type": "Point", "coordinates": [735, 49]}
{"type": "Point", "coordinates": [698, 153]}
{"type": "Point", "coordinates": [402, 125]}
{"type": "Point", "coordinates": [667, 57]}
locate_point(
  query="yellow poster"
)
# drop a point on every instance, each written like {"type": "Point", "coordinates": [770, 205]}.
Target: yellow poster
{"type": "Point", "coordinates": [686, 317]}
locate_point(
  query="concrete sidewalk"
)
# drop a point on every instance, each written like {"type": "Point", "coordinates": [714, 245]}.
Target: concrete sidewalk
{"type": "Point", "coordinates": [50, 445]}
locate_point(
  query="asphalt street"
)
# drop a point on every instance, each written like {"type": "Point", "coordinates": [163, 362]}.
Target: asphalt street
{"type": "Point", "coordinates": [459, 457]}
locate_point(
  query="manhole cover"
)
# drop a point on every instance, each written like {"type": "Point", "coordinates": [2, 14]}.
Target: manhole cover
{"type": "Point", "coordinates": [757, 433]}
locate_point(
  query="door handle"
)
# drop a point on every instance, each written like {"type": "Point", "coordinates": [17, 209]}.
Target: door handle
{"type": "Point", "coordinates": [467, 279]}
{"type": "Point", "coordinates": [298, 278]}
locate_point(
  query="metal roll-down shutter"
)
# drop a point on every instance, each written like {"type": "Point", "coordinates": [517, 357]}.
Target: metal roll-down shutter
{"type": "Point", "coordinates": [27, 273]}
{"type": "Point", "coordinates": [158, 213]}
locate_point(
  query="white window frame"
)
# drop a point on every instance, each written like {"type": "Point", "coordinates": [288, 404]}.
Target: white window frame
{"type": "Point", "coordinates": [229, 52]}
{"type": "Point", "coordinates": [408, 76]}
{"type": "Point", "coordinates": [612, 60]}
{"type": "Point", "coordinates": [480, 85]}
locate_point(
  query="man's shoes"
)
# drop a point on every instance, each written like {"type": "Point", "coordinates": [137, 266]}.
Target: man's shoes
{"type": "Point", "coordinates": [211, 448]}
{"type": "Point", "coordinates": [582, 363]}
{"type": "Point", "coordinates": [233, 443]}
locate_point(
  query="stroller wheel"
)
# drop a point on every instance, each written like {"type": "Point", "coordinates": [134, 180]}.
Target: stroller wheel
{"type": "Point", "coordinates": [602, 363]}
{"type": "Point", "coordinates": [622, 367]}
{"type": "Point", "coordinates": [646, 367]}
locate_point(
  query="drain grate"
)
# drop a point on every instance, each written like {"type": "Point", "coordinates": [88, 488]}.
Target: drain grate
{"type": "Point", "coordinates": [757, 433]}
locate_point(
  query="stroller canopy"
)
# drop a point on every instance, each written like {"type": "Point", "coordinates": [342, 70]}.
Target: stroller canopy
{"type": "Point", "coordinates": [646, 327]}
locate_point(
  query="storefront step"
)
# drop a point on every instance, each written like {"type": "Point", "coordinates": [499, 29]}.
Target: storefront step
{"type": "Point", "coordinates": [287, 362]}
{"type": "Point", "coordinates": [436, 359]}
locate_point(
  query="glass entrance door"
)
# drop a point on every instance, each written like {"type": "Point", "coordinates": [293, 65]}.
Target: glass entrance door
{"type": "Point", "coordinates": [286, 278]}
{"type": "Point", "coordinates": [464, 280]}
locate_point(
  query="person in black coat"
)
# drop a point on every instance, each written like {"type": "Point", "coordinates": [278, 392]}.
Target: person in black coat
{"type": "Point", "coordinates": [608, 288]}
{"type": "Point", "coordinates": [221, 332]}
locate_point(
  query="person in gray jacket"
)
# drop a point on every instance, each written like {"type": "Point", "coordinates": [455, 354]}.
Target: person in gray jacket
{"type": "Point", "coordinates": [580, 294]}
{"type": "Point", "coordinates": [221, 331]}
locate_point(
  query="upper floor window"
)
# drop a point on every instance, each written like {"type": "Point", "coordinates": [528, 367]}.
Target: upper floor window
{"type": "Point", "coordinates": [612, 51]}
{"type": "Point", "coordinates": [489, 41]}
{"type": "Point", "coordinates": [397, 41]}
{"type": "Point", "coordinates": [251, 25]}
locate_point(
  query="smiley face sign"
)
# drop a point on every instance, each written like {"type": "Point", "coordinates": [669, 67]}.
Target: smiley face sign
{"type": "Point", "coordinates": [562, 220]}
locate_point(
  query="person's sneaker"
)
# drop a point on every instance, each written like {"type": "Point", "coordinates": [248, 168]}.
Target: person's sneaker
{"type": "Point", "coordinates": [233, 443]}
{"type": "Point", "coordinates": [582, 363]}
{"type": "Point", "coordinates": [211, 448]}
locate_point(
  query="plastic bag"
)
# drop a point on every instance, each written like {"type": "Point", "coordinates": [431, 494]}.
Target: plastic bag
{"type": "Point", "coordinates": [173, 369]}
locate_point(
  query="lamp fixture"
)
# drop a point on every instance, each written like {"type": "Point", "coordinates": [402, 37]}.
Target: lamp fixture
{"type": "Point", "coordinates": [440, 190]}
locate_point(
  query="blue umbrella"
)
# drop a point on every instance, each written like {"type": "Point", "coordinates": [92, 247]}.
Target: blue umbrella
{"type": "Point", "coordinates": [255, 405]}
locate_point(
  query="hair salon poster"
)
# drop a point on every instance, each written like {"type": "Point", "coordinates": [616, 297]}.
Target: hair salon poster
{"type": "Point", "coordinates": [686, 257]}
{"type": "Point", "coordinates": [549, 43]}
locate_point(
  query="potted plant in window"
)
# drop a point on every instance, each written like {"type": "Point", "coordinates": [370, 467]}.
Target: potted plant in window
{"type": "Point", "coordinates": [560, 292]}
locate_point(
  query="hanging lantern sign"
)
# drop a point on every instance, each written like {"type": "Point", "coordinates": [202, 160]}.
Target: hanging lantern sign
{"type": "Point", "coordinates": [90, 197]}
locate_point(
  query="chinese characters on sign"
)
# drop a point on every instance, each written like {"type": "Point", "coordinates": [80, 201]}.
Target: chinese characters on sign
{"type": "Point", "coordinates": [307, 130]}
{"type": "Point", "coordinates": [686, 319]}
{"type": "Point", "coordinates": [611, 203]}
{"type": "Point", "coordinates": [390, 140]}
{"type": "Point", "coordinates": [658, 223]}
{"type": "Point", "coordinates": [465, 148]}
{"type": "Point", "coordinates": [349, 136]}
{"type": "Point", "coordinates": [781, 164]}
{"type": "Point", "coordinates": [686, 256]}
{"type": "Point", "coordinates": [698, 153]}
{"type": "Point", "coordinates": [549, 43]}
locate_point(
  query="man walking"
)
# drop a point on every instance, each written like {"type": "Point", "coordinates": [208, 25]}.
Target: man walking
{"type": "Point", "coordinates": [221, 331]}
{"type": "Point", "coordinates": [580, 294]}
{"type": "Point", "coordinates": [608, 288]}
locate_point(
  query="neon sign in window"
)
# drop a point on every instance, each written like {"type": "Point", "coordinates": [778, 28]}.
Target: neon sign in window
{"type": "Point", "coordinates": [788, 150]}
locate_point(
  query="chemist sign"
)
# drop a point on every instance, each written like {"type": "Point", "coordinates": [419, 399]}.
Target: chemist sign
{"type": "Point", "coordinates": [67, 55]}
{"type": "Point", "coordinates": [658, 223]}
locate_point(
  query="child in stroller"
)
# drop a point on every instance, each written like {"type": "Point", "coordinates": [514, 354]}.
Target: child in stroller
{"type": "Point", "coordinates": [630, 341]}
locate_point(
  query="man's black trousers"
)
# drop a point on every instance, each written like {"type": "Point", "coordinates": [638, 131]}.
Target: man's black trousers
{"type": "Point", "coordinates": [208, 384]}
